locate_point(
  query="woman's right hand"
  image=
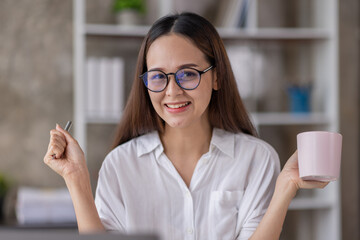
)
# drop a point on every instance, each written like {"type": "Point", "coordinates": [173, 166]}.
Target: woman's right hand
{"type": "Point", "coordinates": [64, 154]}
{"type": "Point", "coordinates": [65, 157]}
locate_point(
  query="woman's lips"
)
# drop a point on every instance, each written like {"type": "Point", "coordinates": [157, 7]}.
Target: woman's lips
{"type": "Point", "coordinates": [177, 107]}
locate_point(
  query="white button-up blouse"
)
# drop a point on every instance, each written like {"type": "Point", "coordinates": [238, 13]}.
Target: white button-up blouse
{"type": "Point", "coordinates": [139, 189]}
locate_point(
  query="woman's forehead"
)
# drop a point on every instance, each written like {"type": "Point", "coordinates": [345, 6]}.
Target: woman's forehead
{"type": "Point", "coordinates": [173, 49]}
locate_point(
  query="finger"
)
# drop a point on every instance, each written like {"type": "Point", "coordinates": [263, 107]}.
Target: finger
{"type": "Point", "coordinates": [313, 184]}
{"type": "Point", "coordinates": [50, 154]}
{"type": "Point", "coordinates": [56, 147]}
{"type": "Point", "coordinates": [294, 157]}
{"type": "Point", "coordinates": [49, 157]}
{"type": "Point", "coordinates": [54, 132]}
{"type": "Point", "coordinates": [56, 135]}
{"type": "Point", "coordinates": [292, 162]}
{"type": "Point", "coordinates": [60, 140]}
{"type": "Point", "coordinates": [67, 135]}
{"type": "Point", "coordinates": [56, 151]}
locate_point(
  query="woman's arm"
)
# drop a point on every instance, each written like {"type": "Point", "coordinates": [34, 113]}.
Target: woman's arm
{"type": "Point", "coordinates": [87, 216]}
{"type": "Point", "coordinates": [65, 157]}
{"type": "Point", "coordinates": [287, 184]}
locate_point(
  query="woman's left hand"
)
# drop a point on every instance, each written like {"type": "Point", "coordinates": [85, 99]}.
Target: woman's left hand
{"type": "Point", "coordinates": [287, 184]}
{"type": "Point", "coordinates": [290, 176]}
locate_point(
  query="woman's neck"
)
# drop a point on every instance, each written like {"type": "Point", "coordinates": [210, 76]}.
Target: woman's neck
{"type": "Point", "coordinates": [190, 143]}
{"type": "Point", "coordinates": [185, 146]}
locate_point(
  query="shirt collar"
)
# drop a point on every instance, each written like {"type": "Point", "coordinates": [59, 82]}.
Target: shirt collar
{"type": "Point", "coordinates": [221, 139]}
{"type": "Point", "coordinates": [148, 143]}
{"type": "Point", "coordinates": [224, 141]}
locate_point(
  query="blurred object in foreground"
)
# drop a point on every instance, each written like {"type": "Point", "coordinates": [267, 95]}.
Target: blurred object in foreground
{"type": "Point", "coordinates": [44, 206]}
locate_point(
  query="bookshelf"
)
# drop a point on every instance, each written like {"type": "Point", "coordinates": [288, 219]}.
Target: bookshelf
{"type": "Point", "coordinates": [226, 33]}
{"type": "Point", "coordinates": [315, 38]}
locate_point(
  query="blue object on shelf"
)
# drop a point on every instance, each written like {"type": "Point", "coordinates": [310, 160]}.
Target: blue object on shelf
{"type": "Point", "coordinates": [299, 98]}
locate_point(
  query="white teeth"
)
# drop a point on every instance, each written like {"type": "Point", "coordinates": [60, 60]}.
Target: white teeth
{"type": "Point", "coordinates": [177, 105]}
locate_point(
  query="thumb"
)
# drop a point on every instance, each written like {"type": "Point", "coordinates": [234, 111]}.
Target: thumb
{"type": "Point", "coordinates": [67, 135]}
{"type": "Point", "coordinates": [292, 162]}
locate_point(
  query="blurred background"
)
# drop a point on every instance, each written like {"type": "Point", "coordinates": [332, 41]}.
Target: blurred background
{"type": "Point", "coordinates": [60, 61]}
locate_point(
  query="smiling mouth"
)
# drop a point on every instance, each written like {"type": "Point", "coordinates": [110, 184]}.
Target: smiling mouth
{"type": "Point", "coordinates": [174, 106]}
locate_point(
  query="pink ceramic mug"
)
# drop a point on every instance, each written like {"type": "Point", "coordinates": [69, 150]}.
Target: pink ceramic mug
{"type": "Point", "coordinates": [319, 155]}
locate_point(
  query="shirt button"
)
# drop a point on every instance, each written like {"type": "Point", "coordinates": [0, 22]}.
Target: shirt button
{"type": "Point", "coordinates": [188, 194]}
{"type": "Point", "coordinates": [190, 231]}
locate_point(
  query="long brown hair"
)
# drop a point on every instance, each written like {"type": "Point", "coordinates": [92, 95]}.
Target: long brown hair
{"type": "Point", "coordinates": [226, 109]}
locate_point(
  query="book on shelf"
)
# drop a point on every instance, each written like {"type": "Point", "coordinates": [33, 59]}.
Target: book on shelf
{"type": "Point", "coordinates": [92, 95]}
{"type": "Point", "coordinates": [233, 13]}
{"type": "Point", "coordinates": [244, 11]}
{"type": "Point", "coordinates": [118, 83]}
{"type": "Point", "coordinates": [104, 87]}
{"type": "Point", "coordinates": [248, 68]}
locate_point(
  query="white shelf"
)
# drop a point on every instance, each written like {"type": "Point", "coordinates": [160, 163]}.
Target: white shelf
{"type": "Point", "coordinates": [116, 30]}
{"type": "Point", "coordinates": [102, 120]}
{"type": "Point", "coordinates": [310, 204]}
{"type": "Point", "coordinates": [275, 34]}
{"type": "Point", "coordinates": [278, 118]}
{"type": "Point", "coordinates": [225, 33]}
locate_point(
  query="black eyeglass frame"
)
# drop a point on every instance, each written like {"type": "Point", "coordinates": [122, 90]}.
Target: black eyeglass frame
{"type": "Point", "coordinates": [176, 79]}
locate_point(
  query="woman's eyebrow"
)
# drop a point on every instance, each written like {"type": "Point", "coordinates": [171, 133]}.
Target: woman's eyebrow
{"type": "Point", "coordinates": [178, 67]}
{"type": "Point", "coordinates": [188, 65]}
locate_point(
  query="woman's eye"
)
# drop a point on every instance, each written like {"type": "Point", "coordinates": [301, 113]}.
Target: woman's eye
{"type": "Point", "coordinates": [187, 74]}
{"type": "Point", "coordinates": [157, 77]}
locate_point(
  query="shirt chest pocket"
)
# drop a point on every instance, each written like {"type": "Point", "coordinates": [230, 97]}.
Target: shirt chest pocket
{"type": "Point", "coordinates": [223, 213]}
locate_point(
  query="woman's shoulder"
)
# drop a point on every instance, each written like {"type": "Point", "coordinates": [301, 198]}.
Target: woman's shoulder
{"type": "Point", "coordinates": [246, 150]}
{"type": "Point", "coordinates": [240, 140]}
{"type": "Point", "coordinates": [134, 148]}
{"type": "Point", "coordinates": [254, 142]}
{"type": "Point", "coordinates": [246, 144]}
{"type": "Point", "coordinates": [261, 151]}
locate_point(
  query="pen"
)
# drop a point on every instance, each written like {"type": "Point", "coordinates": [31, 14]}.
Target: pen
{"type": "Point", "coordinates": [67, 128]}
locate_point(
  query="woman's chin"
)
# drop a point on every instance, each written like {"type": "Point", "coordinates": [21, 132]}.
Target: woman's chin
{"type": "Point", "coordinates": [176, 124]}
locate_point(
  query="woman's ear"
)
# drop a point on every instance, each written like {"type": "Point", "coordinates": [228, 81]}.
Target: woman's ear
{"type": "Point", "coordinates": [215, 80]}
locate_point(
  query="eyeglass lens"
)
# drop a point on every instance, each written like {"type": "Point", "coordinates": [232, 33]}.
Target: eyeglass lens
{"type": "Point", "coordinates": [186, 78]}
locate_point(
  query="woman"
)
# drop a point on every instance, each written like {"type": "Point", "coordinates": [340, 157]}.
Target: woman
{"type": "Point", "coordinates": [186, 161]}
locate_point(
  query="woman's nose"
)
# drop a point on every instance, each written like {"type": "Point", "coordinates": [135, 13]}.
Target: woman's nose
{"type": "Point", "coordinates": [173, 88]}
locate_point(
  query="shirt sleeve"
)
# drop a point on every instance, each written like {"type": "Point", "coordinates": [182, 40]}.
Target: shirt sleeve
{"type": "Point", "coordinates": [262, 176]}
{"type": "Point", "coordinates": [108, 199]}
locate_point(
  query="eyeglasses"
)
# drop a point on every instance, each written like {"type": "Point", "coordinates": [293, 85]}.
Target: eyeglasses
{"type": "Point", "coordinates": [186, 78]}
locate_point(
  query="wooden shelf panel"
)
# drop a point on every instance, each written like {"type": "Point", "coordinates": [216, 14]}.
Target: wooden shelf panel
{"type": "Point", "coordinates": [225, 33]}
{"type": "Point", "coordinates": [277, 118]}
